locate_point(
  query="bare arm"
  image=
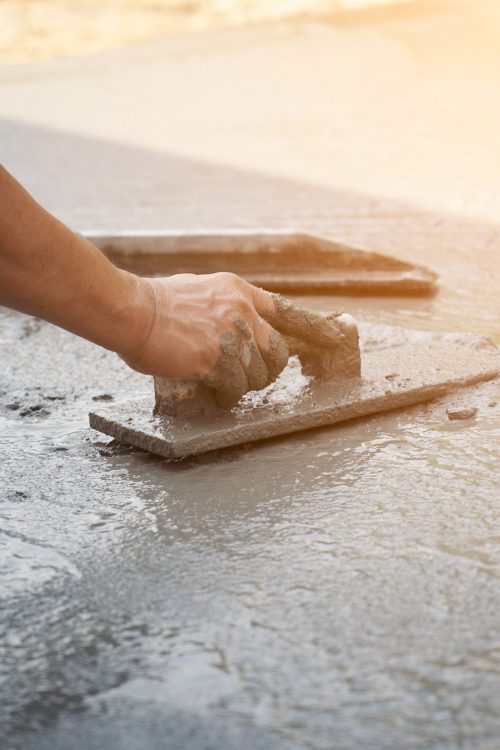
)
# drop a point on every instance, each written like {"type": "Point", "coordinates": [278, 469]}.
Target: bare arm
{"type": "Point", "coordinates": [207, 327]}
{"type": "Point", "coordinates": [48, 271]}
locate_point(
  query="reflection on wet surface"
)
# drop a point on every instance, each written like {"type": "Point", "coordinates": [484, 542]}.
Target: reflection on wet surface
{"type": "Point", "coordinates": [343, 582]}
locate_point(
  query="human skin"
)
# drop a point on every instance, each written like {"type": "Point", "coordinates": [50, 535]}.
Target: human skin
{"type": "Point", "coordinates": [188, 327]}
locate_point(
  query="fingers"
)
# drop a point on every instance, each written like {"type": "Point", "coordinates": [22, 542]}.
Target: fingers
{"type": "Point", "coordinates": [266, 353]}
{"type": "Point", "coordinates": [254, 366]}
{"type": "Point", "coordinates": [273, 348]}
{"type": "Point", "coordinates": [250, 357]}
{"type": "Point", "coordinates": [291, 319]}
{"type": "Point", "coordinates": [253, 354]}
{"type": "Point", "coordinates": [263, 301]}
{"type": "Point", "coordinates": [327, 345]}
{"type": "Point", "coordinates": [229, 379]}
{"type": "Point", "coordinates": [232, 387]}
{"type": "Point", "coordinates": [250, 360]}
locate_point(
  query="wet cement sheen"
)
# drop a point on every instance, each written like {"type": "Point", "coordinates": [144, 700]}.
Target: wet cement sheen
{"type": "Point", "coordinates": [340, 585]}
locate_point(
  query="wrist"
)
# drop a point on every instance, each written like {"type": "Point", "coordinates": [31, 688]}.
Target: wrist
{"type": "Point", "coordinates": [137, 319]}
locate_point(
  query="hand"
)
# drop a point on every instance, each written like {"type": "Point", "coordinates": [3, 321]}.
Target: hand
{"type": "Point", "coordinates": [209, 328]}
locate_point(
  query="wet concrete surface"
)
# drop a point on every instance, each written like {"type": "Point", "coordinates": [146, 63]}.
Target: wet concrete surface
{"type": "Point", "coordinates": [339, 583]}
{"type": "Point", "coordinates": [335, 588]}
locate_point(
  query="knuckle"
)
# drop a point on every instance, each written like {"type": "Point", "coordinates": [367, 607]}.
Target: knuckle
{"type": "Point", "coordinates": [263, 334]}
{"type": "Point", "coordinates": [228, 277]}
{"type": "Point", "coordinates": [245, 307]}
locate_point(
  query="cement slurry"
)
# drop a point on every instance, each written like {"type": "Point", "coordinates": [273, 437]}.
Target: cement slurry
{"type": "Point", "coordinates": [334, 584]}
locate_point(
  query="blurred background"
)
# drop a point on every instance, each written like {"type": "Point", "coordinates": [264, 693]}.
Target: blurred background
{"type": "Point", "coordinates": [370, 121]}
{"type": "Point", "coordinates": [42, 29]}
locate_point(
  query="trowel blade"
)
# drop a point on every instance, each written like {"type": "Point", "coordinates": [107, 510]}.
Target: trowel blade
{"type": "Point", "coordinates": [399, 368]}
{"type": "Point", "coordinates": [278, 260]}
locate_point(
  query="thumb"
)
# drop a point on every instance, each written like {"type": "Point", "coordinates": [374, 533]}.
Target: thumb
{"type": "Point", "coordinates": [293, 320]}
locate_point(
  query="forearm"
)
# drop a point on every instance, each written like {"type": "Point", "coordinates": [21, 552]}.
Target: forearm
{"type": "Point", "coordinates": [185, 327]}
{"type": "Point", "coordinates": [48, 271]}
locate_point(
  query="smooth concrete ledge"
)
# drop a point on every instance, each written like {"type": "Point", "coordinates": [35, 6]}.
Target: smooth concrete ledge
{"type": "Point", "coordinates": [285, 261]}
{"type": "Point", "coordinates": [399, 368]}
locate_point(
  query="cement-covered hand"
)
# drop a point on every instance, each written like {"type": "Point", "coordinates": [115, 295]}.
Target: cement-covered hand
{"type": "Point", "coordinates": [209, 328]}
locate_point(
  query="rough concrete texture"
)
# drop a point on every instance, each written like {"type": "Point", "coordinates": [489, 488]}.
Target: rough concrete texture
{"type": "Point", "coordinates": [283, 261]}
{"type": "Point", "coordinates": [397, 370]}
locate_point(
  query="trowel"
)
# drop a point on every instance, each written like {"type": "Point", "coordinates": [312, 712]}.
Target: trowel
{"type": "Point", "coordinates": [351, 372]}
{"type": "Point", "coordinates": [284, 260]}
